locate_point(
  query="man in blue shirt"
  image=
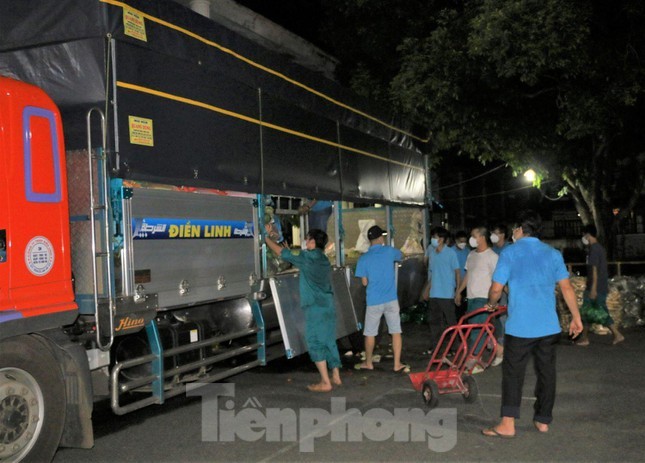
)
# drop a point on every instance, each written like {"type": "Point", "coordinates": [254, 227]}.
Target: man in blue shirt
{"type": "Point", "coordinates": [319, 213]}
{"type": "Point", "coordinates": [376, 269]}
{"type": "Point", "coordinates": [498, 238]}
{"type": "Point", "coordinates": [462, 249]}
{"type": "Point", "coordinates": [444, 277]}
{"type": "Point", "coordinates": [531, 269]}
{"type": "Point", "coordinates": [500, 242]}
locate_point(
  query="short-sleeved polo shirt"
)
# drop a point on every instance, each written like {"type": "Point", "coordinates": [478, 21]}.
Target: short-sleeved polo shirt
{"type": "Point", "coordinates": [377, 265]}
{"type": "Point", "coordinates": [441, 272]}
{"type": "Point", "coordinates": [531, 269]}
{"type": "Point", "coordinates": [498, 249]}
{"type": "Point", "coordinates": [462, 255]}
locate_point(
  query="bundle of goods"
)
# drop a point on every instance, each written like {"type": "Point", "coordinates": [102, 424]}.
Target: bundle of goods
{"type": "Point", "coordinates": [632, 295]}
{"type": "Point", "coordinates": [624, 302]}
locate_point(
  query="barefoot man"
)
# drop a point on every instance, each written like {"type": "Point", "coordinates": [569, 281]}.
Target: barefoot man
{"type": "Point", "coordinates": [597, 284]}
{"type": "Point", "coordinates": [317, 301]}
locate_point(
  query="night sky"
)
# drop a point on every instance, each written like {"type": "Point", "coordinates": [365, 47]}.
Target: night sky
{"type": "Point", "coordinates": [302, 17]}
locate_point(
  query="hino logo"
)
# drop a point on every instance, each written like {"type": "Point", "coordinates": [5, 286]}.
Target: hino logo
{"type": "Point", "coordinates": [128, 323]}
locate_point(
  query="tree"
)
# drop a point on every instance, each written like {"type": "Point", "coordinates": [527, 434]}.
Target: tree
{"type": "Point", "coordinates": [555, 85]}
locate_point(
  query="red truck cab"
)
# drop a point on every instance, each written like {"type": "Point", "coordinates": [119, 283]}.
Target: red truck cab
{"type": "Point", "coordinates": [35, 261]}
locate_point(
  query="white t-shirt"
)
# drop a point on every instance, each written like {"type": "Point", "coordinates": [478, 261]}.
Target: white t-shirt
{"type": "Point", "coordinates": [480, 267]}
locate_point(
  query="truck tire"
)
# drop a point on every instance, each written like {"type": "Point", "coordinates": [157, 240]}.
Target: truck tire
{"type": "Point", "coordinates": [32, 400]}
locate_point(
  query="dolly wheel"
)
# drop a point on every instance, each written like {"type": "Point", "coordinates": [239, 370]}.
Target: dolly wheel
{"type": "Point", "coordinates": [472, 390]}
{"type": "Point", "coordinates": [430, 393]}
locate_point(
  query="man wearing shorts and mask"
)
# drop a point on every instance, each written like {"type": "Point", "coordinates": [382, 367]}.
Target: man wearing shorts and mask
{"type": "Point", "coordinates": [376, 269]}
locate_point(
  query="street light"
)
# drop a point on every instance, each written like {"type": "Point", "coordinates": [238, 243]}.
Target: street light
{"type": "Point", "coordinates": [530, 175]}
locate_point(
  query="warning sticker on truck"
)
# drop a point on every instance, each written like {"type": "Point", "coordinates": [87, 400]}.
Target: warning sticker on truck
{"type": "Point", "coordinates": [134, 24]}
{"type": "Point", "coordinates": [151, 228]}
{"type": "Point", "coordinates": [141, 131]}
{"type": "Point", "coordinates": [39, 256]}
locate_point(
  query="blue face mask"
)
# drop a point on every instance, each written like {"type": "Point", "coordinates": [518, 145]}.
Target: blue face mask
{"type": "Point", "coordinates": [434, 242]}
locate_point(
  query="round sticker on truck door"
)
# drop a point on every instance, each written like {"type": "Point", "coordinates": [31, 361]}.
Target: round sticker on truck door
{"type": "Point", "coordinates": [39, 256]}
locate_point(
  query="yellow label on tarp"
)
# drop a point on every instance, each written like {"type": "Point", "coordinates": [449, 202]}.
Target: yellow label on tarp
{"type": "Point", "coordinates": [134, 25]}
{"type": "Point", "coordinates": [141, 131]}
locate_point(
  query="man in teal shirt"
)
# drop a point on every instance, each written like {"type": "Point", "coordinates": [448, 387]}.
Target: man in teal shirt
{"type": "Point", "coordinates": [317, 301]}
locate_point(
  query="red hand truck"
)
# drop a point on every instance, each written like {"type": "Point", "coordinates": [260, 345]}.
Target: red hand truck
{"type": "Point", "coordinates": [453, 359]}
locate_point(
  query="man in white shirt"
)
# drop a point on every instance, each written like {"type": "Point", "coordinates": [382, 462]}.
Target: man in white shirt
{"type": "Point", "coordinates": [480, 266]}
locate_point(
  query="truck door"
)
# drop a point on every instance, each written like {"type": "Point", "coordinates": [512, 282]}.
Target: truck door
{"type": "Point", "coordinates": [4, 268]}
{"type": "Point", "coordinates": [35, 214]}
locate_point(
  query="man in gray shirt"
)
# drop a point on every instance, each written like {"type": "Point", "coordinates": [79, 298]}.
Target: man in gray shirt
{"type": "Point", "coordinates": [597, 283]}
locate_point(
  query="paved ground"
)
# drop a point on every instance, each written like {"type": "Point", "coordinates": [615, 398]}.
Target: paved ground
{"type": "Point", "coordinates": [599, 415]}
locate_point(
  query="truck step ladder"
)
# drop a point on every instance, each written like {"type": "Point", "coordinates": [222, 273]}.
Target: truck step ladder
{"type": "Point", "coordinates": [101, 250]}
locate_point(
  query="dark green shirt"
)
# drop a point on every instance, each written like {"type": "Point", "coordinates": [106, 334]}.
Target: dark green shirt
{"type": "Point", "coordinates": [315, 277]}
{"type": "Point", "coordinates": [597, 257]}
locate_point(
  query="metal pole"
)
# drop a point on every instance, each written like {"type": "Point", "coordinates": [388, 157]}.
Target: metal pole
{"type": "Point", "coordinates": [427, 211]}
{"type": "Point", "coordinates": [261, 265]}
{"type": "Point", "coordinates": [339, 235]}
{"type": "Point", "coordinates": [389, 226]}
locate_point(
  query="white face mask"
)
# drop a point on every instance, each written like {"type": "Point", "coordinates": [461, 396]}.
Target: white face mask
{"type": "Point", "coordinates": [494, 238]}
{"type": "Point", "coordinates": [473, 242]}
{"type": "Point", "coordinates": [585, 241]}
{"type": "Point", "coordinates": [434, 242]}
{"type": "Point", "coordinates": [461, 245]}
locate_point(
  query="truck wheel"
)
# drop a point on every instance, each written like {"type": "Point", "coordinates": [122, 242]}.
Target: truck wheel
{"type": "Point", "coordinates": [32, 401]}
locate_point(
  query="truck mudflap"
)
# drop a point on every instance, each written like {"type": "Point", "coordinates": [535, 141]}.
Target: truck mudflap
{"type": "Point", "coordinates": [286, 295]}
{"type": "Point", "coordinates": [72, 357]}
{"type": "Point", "coordinates": [157, 363]}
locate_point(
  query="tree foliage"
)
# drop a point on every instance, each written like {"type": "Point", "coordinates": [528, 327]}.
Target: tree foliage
{"type": "Point", "coordinates": [555, 85]}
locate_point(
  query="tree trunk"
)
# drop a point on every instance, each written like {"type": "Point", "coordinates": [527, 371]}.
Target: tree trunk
{"type": "Point", "coordinates": [595, 210]}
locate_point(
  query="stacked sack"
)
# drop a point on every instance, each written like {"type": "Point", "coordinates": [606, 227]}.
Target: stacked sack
{"type": "Point", "coordinates": [632, 294]}
{"type": "Point", "coordinates": [624, 302]}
